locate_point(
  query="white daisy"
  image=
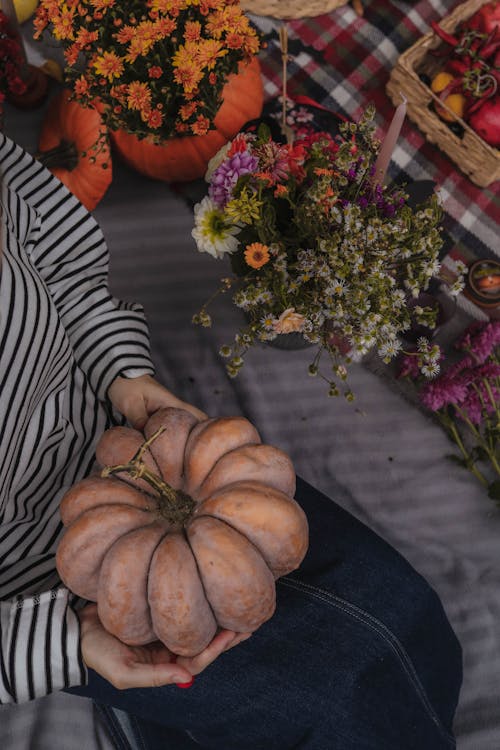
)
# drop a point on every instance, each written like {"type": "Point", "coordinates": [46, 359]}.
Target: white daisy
{"type": "Point", "coordinates": [212, 232]}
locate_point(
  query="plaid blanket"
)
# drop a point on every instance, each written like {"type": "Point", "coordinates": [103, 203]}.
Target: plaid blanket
{"type": "Point", "coordinates": [343, 61]}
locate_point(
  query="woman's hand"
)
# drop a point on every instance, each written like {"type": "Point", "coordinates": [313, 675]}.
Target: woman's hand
{"type": "Point", "coordinates": [152, 665]}
{"type": "Point", "coordinates": [138, 398]}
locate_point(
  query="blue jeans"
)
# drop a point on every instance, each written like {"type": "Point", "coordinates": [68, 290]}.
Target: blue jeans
{"type": "Point", "coordinates": [358, 656]}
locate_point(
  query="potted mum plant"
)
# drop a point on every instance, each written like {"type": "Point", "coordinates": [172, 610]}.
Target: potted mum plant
{"type": "Point", "coordinates": [173, 79]}
{"type": "Point", "coordinates": [317, 248]}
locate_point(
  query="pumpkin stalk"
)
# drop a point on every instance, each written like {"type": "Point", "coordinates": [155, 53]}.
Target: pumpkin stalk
{"type": "Point", "coordinates": [64, 155]}
{"type": "Point", "coordinates": [175, 506]}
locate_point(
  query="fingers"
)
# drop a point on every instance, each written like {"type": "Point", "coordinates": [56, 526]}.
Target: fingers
{"type": "Point", "coordinates": [137, 675]}
{"type": "Point", "coordinates": [126, 666]}
{"type": "Point", "coordinates": [223, 641]}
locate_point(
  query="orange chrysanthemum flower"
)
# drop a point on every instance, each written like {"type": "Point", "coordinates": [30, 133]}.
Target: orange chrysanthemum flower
{"type": "Point", "coordinates": [81, 86]}
{"type": "Point", "coordinates": [256, 255]}
{"type": "Point", "coordinates": [280, 191]}
{"type": "Point", "coordinates": [192, 31]}
{"type": "Point", "coordinates": [201, 126]}
{"type": "Point", "coordinates": [102, 4]}
{"type": "Point", "coordinates": [109, 65]}
{"type": "Point", "coordinates": [208, 53]}
{"type": "Point", "coordinates": [187, 110]}
{"type": "Point", "coordinates": [139, 95]}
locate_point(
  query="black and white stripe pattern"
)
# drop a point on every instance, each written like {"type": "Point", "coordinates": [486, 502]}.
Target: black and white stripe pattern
{"type": "Point", "coordinates": [63, 339]}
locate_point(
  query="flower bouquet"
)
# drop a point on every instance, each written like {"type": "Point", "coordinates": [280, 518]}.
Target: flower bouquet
{"type": "Point", "coordinates": [317, 247]}
{"type": "Point", "coordinates": [466, 400]}
{"type": "Point", "coordinates": [158, 67]}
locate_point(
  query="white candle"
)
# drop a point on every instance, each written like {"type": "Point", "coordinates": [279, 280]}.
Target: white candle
{"type": "Point", "coordinates": [389, 143]}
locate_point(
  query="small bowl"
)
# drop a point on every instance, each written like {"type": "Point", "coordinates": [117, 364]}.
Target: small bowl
{"type": "Point", "coordinates": [483, 283]}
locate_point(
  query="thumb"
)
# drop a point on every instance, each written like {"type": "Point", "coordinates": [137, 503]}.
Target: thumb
{"type": "Point", "coordinates": [137, 414]}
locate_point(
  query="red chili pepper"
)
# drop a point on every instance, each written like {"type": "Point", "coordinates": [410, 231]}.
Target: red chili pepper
{"type": "Point", "coordinates": [444, 35]}
{"type": "Point", "coordinates": [491, 45]}
{"type": "Point", "coordinates": [457, 65]}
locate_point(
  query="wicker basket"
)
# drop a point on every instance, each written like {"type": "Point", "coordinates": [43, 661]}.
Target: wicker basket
{"type": "Point", "coordinates": [291, 8]}
{"type": "Point", "coordinates": [476, 158]}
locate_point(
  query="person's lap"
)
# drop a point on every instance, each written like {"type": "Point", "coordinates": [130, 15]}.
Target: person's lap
{"type": "Point", "coordinates": [359, 654]}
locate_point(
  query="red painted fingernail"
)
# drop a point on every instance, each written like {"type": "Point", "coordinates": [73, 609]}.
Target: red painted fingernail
{"type": "Point", "coordinates": [184, 685]}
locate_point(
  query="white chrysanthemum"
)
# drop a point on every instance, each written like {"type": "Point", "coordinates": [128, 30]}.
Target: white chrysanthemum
{"type": "Point", "coordinates": [389, 348]}
{"type": "Point", "coordinates": [212, 232]}
{"type": "Point", "coordinates": [430, 369]}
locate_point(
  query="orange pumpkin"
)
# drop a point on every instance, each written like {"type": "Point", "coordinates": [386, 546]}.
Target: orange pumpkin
{"type": "Point", "coordinates": [184, 532]}
{"type": "Point", "coordinates": [74, 146]}
{"type": "Point", "coordinates": [186, 158]}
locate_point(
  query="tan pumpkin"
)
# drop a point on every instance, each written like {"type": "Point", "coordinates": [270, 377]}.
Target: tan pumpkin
{"type": "Point", "coordinates": [186, 158]}
{"type": "Point", "coordinates": [182, 533]}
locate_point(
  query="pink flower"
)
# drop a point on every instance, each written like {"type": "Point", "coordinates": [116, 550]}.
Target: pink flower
{"type": "Point", "coordinates": [480, 339]}
{"type": "Point", "coordinates": [289, 321]}
{"type": "Point", "coordinates": [409, 367]}
{"type": "Point", "coordinates": [473, 408]}
{"type": "Point", "coordinates": [438, 393]}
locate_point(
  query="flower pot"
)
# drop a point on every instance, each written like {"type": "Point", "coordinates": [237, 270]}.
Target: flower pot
{"type": "Point", "coordinates": [290, 342]}
{"type": "Point", "coordinates": [483, 283]}
{"type": "Point", "coordinates": [186, 158]}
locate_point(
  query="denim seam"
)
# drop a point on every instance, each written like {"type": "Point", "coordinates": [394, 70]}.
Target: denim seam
{"type": "Point", "coordinates": [383, 631]}
{"type": "Point", "coordinates": [113, 727]}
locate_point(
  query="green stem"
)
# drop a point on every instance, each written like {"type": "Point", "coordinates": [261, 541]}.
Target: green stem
{"type": "Point", "coordinates": [64, 155]}
{"type": "Point", "coordinates": [450, 425]}
{"type": "Point", "coordinates": [174, 506]}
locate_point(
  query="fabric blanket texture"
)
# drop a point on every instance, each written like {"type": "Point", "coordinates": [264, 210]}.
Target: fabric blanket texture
{"type": "Point", "coordinates": [380, 458]}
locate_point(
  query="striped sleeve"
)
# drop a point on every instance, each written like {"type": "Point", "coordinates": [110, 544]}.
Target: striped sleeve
{"type": "Point", "coordinates": [40, 650]}
{"type": "Point", "coordinates": [69, 252]}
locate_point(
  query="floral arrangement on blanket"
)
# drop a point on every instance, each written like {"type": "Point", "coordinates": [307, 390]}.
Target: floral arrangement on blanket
{"type": "Point", "coordinates": [12, 60]}
{"type": "Point", "coordinates": [317, 248]}
{"type": "Point", "coordinates": [466, 400]}
{"type": "Point", "coordinates": [157, 67]}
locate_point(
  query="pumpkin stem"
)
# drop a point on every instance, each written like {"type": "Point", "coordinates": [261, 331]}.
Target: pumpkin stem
{"type": "Point", "coordinates": [64, 155]}
{"type": "Point", "coordinates": [175, 506]}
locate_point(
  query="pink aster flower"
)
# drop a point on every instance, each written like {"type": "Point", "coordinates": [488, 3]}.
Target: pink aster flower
{"type": "Point", "coordinates": [438, 393]}
{"type": "Point", "coordinates": [473, 408]}
{"type": "Point", "coordinates": [227, 174]}
{"type": "Point", "coordinates": [409, 367]}
{"type": "Point", "coordinates": [480, 340]}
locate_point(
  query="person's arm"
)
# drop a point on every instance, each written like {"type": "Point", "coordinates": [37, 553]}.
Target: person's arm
{"type": "Point", "coordinates": [39, 646]}
{"type": "Point", "coordinates": [68, 251]}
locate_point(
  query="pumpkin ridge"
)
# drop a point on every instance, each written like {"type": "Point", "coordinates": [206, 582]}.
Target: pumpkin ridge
{"type": "Point", "coordinates": [265, 448]}
{"type": "Point", "coordinates": [233, 528]}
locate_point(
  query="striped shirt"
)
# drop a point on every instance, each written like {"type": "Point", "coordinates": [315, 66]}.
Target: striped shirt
{"type": "Point", "coordinates": [63, 339]}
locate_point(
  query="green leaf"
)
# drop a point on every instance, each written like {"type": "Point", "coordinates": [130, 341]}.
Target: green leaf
{"type": "Point", "coordinates": [263, 132]}
{"type": "Point", "coordinates": [494, 490]}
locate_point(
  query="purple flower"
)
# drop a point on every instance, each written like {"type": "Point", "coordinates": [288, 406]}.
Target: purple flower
{"type": "Point", "coordinates": [226, 176]}
{"type": "Point", "coordinates": [473, 408]}
{"type": "Point", "coordinates": [441, 392]}
{"type": "Point", "coordinates": [409, 367]}
{"type": "Point", "coordinates": [480, 339]}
